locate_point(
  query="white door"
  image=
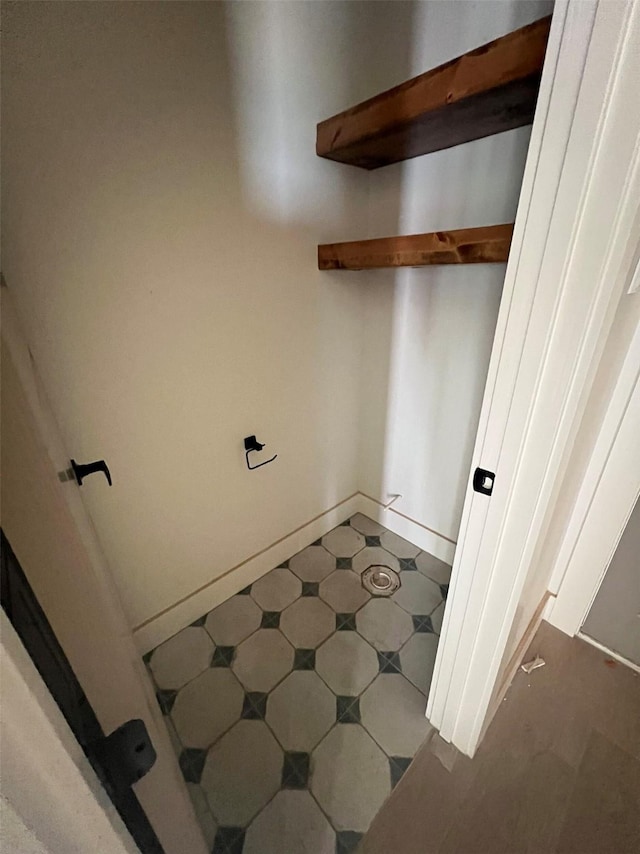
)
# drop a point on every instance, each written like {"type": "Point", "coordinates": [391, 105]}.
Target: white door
{"type": "Point", "coordinates": [562, 285]}
{"type": "Point", "coordinates": [45, 524]}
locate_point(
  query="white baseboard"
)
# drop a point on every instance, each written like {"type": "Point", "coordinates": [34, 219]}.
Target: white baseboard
{"type": "Point", "coordinates": [616, 655]}
{"type": "Point", "coordinates": [419, 535]}
{"type": "Point", "coordinates": [161, 627]}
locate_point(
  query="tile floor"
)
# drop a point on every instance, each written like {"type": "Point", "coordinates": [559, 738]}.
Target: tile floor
{"type": "Point", "coordinates": [297, 705]}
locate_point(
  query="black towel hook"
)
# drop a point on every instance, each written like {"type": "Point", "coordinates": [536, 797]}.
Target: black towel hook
{"type": "Point", "coordinates": [252, 444]}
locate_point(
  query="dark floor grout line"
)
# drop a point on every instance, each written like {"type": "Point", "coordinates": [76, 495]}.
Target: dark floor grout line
{"type": "Point", "coordinates": [262, 809]}
{"type": "Point", "coordinates": [336, 723]}
{"type": "Point", "coordinates": [333, 726]}
{"type": "Point", "coordinates": [387, 755]}
{"type": "Point", "coordinates": [325, 814]}
{"type": "Point", "coordinates": [245, 690]}
{"type": "Point", "coordinates": [335, 557]}
{"type": "Point", "coordinates": [308, 787]}
{"type": "Point", "coordinates": [409, 612]}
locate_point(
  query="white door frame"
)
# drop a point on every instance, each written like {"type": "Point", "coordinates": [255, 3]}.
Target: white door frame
{"type": "Point", "coordinates": [561, 289]}
{"type": "Point", "coordinates": [76, 590]}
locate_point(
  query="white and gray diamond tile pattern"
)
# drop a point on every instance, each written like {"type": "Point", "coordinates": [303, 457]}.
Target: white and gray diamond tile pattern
{"type": "Point", "coordinates": [296, 705]}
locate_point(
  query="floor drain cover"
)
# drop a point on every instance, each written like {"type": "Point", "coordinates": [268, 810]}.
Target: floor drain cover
{"type": "Point", "coordinates": [380, 580]}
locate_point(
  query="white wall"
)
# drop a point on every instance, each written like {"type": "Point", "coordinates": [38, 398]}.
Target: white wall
{"type": "Point", "coordinates": [428, 332]}
{"type": "Point", "coordinates": [613, 617]}
{"type": "Point", "coordinates": [162, 204]}
{"type": "Point", "coordinates": [160, 231]}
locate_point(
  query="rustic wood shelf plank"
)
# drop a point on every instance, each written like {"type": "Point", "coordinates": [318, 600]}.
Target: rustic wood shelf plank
{"type": "Point", "coordinates": [489, 90]}
{"type": "Point", "coordinates": [487, 244]}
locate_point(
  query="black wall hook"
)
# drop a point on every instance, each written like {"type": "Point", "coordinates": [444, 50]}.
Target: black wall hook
{"type": "Point", "coordinates": [81, 470]}
{"type": "Point", "coordinates": [252, 444]}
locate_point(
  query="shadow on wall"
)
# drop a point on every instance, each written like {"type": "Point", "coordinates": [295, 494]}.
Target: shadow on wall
{"type": "Point", "coordinates": [429, 332]}
{"type": "Point", "coordinates": [291, 64]}
{"type": "Point", "coordinates": [162, 205]}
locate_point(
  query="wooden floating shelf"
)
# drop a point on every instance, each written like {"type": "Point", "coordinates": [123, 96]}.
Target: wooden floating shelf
{"type": "Point", "coordinates": [487, 244]}
{"type": "Point", "coordinates": [489, 90]}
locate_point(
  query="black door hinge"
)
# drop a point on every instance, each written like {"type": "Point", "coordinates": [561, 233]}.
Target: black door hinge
{"type": "Point", "coordinates": [125, 755]}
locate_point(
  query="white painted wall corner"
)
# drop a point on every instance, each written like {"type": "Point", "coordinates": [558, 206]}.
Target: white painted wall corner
{"type": "Point", "coordinates": [165, 624]}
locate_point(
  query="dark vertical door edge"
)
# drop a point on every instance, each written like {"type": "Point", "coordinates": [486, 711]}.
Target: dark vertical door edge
{"type": "Point", "coordinates": [28, 619]}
